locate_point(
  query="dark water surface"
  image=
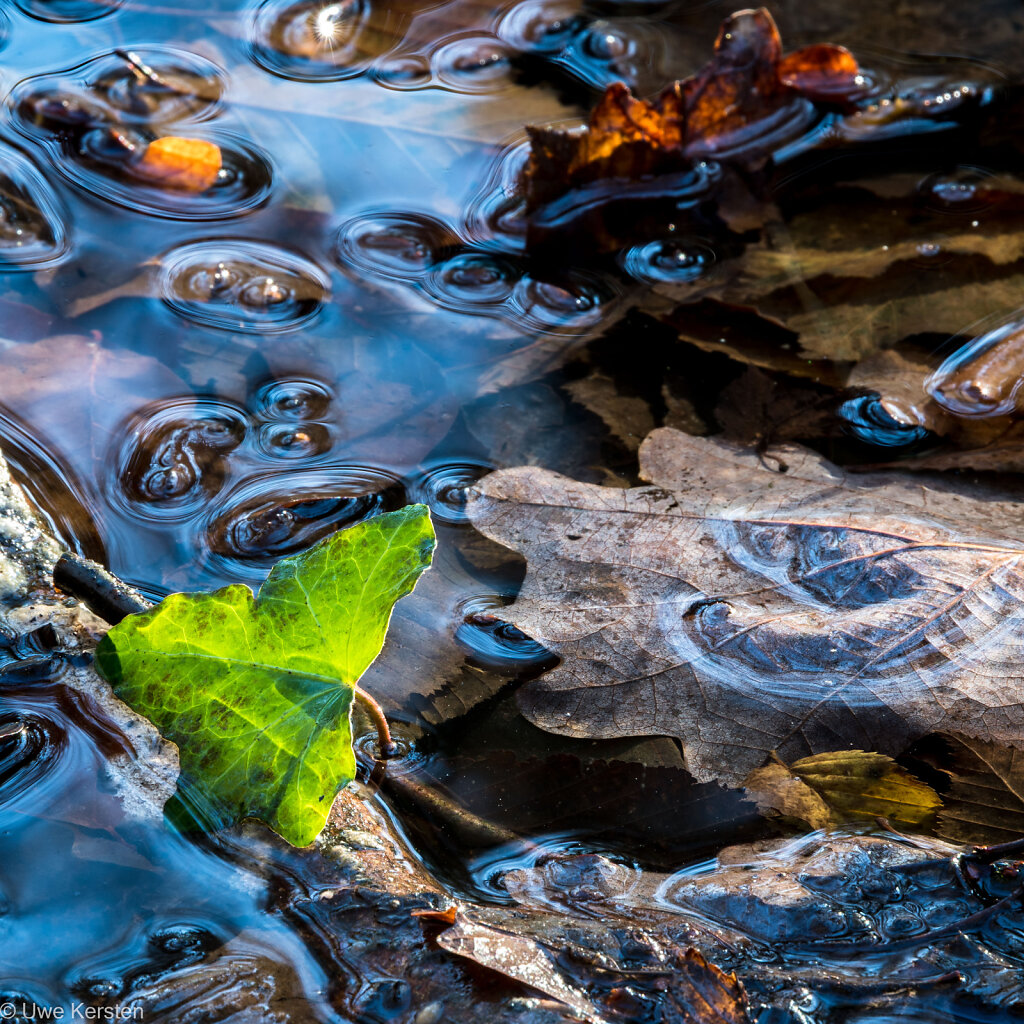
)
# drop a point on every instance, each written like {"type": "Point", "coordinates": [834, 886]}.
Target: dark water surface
{"type": "Point", "coordinates": [195, 385]}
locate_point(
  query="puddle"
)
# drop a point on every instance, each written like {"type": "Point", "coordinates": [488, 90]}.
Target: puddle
{"type": "Point", "coordinates": [356, 314]}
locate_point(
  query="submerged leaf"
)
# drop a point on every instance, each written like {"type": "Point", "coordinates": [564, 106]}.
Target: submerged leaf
{"type": "Point", "coordinates": [191, 165]}
{"type": "Point", "coordinates": [849, 785]}
{"type": "Point", "coordinates": [985, 800]}
{"type": "Point", "coordinates": [778, 792]}
{"type": "Point", "coordinates": [257, 693]}
{"type": "Point", "coordinates": [747, 611]}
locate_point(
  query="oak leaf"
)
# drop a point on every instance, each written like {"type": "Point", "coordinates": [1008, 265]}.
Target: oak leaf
{"type": "Point", "coordinates": [747, 611]}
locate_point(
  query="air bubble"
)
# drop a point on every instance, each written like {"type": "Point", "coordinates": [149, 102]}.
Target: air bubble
{"type": "Point", "coordinates": [399, 246]}
{"type": "Point", "coordinates": [472, 64]}
{"type": "Point", "coordinates": [61, 11]}
{"type": "Point", "coordinates": [33, 221]}
{"type": "Point", "coordinates": [868, 420]}
{"type": "Point", "coordinates": [470, 280]}
{"type": "Point", "coordinates": [271, 517]}
{"type": "Point", "coordinates": [494, 643]}
{"type": "Point", "coordinates": [669, 261]}
{"type": "Point", "coordinates": [444, 488]}
{"type": "Point", "coordinates": [316, 41]}
{"type": "Point", "coordinates": [293, 400]}
{"type": "Point", "coordinates": [542, 26]}
{"type": "Point", "coordinates": [172, 458]}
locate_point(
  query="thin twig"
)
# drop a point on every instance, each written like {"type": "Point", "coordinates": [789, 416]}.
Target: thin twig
{"type": "Point", "coordinates": [100, 590]}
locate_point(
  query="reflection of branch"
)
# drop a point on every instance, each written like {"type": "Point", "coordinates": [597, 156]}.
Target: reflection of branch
{"type": "Point", "coordinates": [388, 747]}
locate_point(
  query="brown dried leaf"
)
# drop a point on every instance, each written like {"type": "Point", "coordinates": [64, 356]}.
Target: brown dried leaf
{"type": "Point", "coordinates": [746, 81]}
{"type": "Point", "coordinates": [854, 273]}
{"type": "Point", "coordinates": [698, 992]}
{"type": "Point", "coordinates": [520, 957]}
{"type": "Point", "coordinates": [778, 792]}
{"type": "Point", "coordinates": [746, 611]}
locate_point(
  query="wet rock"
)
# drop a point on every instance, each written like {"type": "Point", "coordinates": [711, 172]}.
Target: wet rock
{"type": "Point", "coordinates": [27, 553]}
{"type": "Point", "coordinates": [30, 604]}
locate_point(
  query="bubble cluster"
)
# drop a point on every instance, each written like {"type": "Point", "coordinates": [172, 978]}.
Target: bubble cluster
{"type": "Point", "coordinates": [423, 253]}
{"type": "Point", "coordinates": [238, 285]}
{"type": "Point", "coordinates": [97, 121]}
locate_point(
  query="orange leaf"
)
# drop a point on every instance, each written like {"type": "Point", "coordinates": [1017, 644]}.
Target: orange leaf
{"type": "Point", "coordinates": [740, 84]}
{"type": "Point", "coordinates": [745, 100]}
{"type": "Point", "coordinates": [821, 71]}
{"type": "Point", "coordinates": [191, 165]}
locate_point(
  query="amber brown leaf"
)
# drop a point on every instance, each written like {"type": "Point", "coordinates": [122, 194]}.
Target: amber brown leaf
{"type": "Point", "coordinates": [746, 81]}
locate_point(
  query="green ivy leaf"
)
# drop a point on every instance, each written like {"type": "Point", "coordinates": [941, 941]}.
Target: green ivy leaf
{"type": "Point", "coordinates": [256, 693]}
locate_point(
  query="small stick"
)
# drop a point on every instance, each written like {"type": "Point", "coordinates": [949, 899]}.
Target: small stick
{"type": "Point", "coordinates": [100, 590]}
{"type": "Point", "coordinates": [998, 851]}
{"type": "Point", "coordinates": [388, 747]}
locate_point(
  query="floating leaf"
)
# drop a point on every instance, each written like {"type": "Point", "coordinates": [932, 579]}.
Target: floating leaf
{"type": "Point", "coordinates": [257, 693]}
{"type": "Point", "coordinates": [746, 82]}
{"type": "Point", "coordinates": [190, 165]}
{"type": "Point", "coordinates": [747, 611]}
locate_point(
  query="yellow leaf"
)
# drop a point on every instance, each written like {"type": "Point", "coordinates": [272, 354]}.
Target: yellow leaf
{"type": "Point", "coordinates": [845, 785]}
{"type": "Point", "coordinates": [858, 784]}
{"type": "Point", "coordinates": [778, 792]}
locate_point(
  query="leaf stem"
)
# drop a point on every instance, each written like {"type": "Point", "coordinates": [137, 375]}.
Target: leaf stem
{"type": "Point", "coordinates": [388, 747]}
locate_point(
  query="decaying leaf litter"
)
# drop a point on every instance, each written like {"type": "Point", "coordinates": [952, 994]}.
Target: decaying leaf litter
{"type": "Point", "coordinates": [804, 314]}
